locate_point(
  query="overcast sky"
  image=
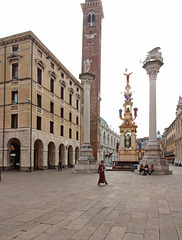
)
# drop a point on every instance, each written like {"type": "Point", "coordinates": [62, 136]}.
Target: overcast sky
{"type": "Point", "coordinates": [130, 29]}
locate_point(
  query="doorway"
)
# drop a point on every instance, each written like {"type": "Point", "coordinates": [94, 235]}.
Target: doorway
{"type": "Point", "coordinates": [14, 154]}
{"type": "Point", "coordinates": [38, 155]}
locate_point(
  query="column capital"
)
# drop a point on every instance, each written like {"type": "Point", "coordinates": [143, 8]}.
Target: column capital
{"type": "Point", "coordinates": [87, 78]}
{"type": "Point", "coordinates": [152, 67]}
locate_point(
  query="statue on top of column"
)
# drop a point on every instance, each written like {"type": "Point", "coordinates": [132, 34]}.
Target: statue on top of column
{"type": "Point", "coordinates": [153, 55]}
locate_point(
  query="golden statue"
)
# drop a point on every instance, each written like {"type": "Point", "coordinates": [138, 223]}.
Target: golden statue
{"type": "Point", "coordinates": [127, 76]}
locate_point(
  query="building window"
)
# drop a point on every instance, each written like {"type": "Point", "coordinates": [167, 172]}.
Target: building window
{"type": "Point", "coordinates": [51, 127]}
{"type": "Point", "coordinates": [62, 112]}
{"type": "Point", "coordinates": [77, 121]}
{"type": "Point", "coordinates": [70, 133]}
{"type": "Point", "coordinates": [39, 101]}
{"type": "Point", "coordinates": [51, 107]}
{"type": "Point", "coordinates": [77, 89]}
{"type": "Point", "coordinates": [14, 121]}
{"type": "Point", "coordinates": [14, 97]}
{"type": "Point", "coordinates": [77, 135]}
{"type": "Point", "coordinates": [91, 19]}
{"type": "Point", "coordinates": [51, 85]}
{"type": "Point", "coordinates": [39, 53]}
{"type": "Point", "coordinates": [62, 130]}
{"type": "Point", "coordinates": [39, 76]}
{"type": "Point", "coordinates": [70, 82]}
{"type": "Point", "coordinates": [52, 65]}
{"type": "Point", "coordinates": [70, 117]}
{"type": "Point", "coordinates": [70, 99]}
{"type": "Point", "coordinates": [15, 48]}
{"type": "Point", "coordinates": [62, 93]}
{"type": "Point", "coordinates": [38, 123]}
{"type": "Point", "coordinates": [77, 104]}
{"type": "Point", "coordinates": [62, 74]}
{"type": "Point", "coordinates": [14, 70]}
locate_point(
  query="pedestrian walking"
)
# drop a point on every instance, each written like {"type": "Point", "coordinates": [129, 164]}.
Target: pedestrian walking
{"type": "Point", "coordinates": [60, 165]}
{"type": "Point", "coordinates": [101, 172]}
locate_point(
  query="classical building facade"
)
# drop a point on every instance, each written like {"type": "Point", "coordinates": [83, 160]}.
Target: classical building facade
{"type": "Point", "coordinates": [169, 142]}
{"type": "Point", "coordinates": [172, 138]}
{"type": "Point", "coordinates": [91, 50]}
{"type": "Point", "coordinates": [40, 117]}
{"type": "Point", "coordinates": [109, 140]}
{"type": "Point", "coordinates": [178, 133]}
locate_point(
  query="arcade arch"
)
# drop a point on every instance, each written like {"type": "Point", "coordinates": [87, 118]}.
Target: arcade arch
{"type": "Point", "coordinates": [76, 155]}
{"type": "Point", "coordinates": [38, 154]}
{"type": "Point", "coordinates": [62, 153]}
{"type": "Point", "coordinates": [14, 154]}
{"type": "Point", "coordinates": [51, 155]}
{"type": "Point", "coordinates": [70, 156]}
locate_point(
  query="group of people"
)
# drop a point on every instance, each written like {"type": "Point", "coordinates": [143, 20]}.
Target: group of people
{"type": "Point", "coordinates": [101, 171]}
{"type": "Point", "coordinates": [145, 169]}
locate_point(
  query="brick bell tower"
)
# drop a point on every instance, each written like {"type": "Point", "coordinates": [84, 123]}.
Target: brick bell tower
{"type": "Point", "coordinates": [91, 49]}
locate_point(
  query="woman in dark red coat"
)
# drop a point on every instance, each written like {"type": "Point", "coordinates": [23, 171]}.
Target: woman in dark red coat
{"type": "Point", "coordinates": [101, 173]}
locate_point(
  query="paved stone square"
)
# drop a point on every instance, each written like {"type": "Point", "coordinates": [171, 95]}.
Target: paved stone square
{"type": "Point", "coordinates": [53, 205]}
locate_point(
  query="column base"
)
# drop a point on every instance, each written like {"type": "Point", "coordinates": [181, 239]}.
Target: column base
{"type": "Point", "coordinates": [86, 162]}
{"type": "Point", "coordinates": [153, 156]}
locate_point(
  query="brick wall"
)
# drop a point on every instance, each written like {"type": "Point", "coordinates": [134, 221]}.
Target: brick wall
{"type": "Point", "coordinates": [91, 49]}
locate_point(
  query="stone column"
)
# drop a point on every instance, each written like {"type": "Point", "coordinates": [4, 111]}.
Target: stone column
{"type": "Point", "coordinates": [153, 154]}
{"type": "Point", "coordinates": [66, 157]}
{"type": "Point", "coordinates": [152, 68]}
{"type": "Point", "coordinates": [86, 162]}
{"type": "Point", "coordinates": [45, 156]}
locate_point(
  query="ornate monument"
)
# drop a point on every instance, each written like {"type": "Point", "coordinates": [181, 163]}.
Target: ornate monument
{"type": "Point", "coordinates": [86, 162]}
{"type": "Point", "coordinates": [127, 152]}
{"type": "Point", "coordinates": [153, 154]}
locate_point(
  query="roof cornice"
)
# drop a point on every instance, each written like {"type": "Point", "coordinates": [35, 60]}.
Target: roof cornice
{"type": "Point", "coordinates": [29, 35]}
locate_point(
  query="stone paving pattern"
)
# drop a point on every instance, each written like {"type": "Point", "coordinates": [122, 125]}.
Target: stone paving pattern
{"type": "Point", "coordinates": [52, 205]}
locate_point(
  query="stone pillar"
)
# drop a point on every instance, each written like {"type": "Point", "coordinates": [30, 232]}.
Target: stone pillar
{"type": "Point", "coordinates": [86, 162]}
{"type": "Point", "coordinates": [153, 154]}
{"type": "Point", "coordinates": [152, 68]}
{"type": "Point", "coordinates": [45, 156]}
{"type": "Point", "coordinates": [66, 156]}
{"type": "Point", "coordinates": [56, 158]}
